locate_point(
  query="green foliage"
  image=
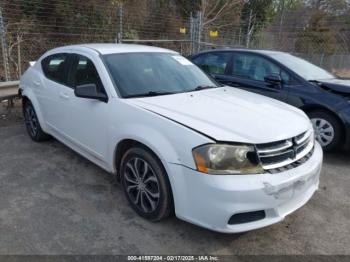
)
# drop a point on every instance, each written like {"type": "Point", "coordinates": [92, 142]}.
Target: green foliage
{"type": "Point", "coordinates": [131, 34]}
{"type": "Point", "coordinates": [263, 11]}
{"type": "Point", "coordinates": [30, 7]}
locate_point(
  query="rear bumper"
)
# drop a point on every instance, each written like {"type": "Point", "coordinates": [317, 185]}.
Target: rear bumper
{"type": "Point", "coordinates": [211, 200]}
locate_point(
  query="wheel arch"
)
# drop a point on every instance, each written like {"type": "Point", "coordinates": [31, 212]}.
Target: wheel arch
{"type": "Point", "coordinates": [25, 99]}
{"type": "Point", "coordinates": [124, 145]}
{"type": "Point", "coordinates": [28, 96]}
{"type": "Point", "coordinates": [313, 108]}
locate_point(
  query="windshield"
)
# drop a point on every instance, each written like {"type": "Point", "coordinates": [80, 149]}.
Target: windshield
{"type": "Point", "coordinates": [302, 67]}
{"type": "Point", "coordinates": [141, 74]}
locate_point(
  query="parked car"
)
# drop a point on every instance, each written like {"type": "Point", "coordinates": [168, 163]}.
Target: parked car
{"type": "Point", "coordinates": [176, 140]}
{"type": "Point", "coordinates": [321, 95]}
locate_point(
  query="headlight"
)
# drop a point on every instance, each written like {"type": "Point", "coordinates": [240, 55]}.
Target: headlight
{"type": "Point", "coordinates": [221, 159]}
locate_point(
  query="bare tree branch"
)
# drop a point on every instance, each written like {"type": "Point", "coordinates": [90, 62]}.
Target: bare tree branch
{"type": "Point", "coordinates": [217, 15]}
{"type": "Point", "coordinates": [214, 10]}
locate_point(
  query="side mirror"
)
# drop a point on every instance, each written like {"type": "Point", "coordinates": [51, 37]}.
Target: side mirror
{"type": "Point", "coordinates": [90, 91]}
{"type": "Point", "coordinates": [273, 80]}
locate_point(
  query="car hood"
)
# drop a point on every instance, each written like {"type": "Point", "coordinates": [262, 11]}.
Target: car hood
{"type": "Point", "coordinates": [229, 114]}
{"type": "Point", "coordinates": [340, 86]}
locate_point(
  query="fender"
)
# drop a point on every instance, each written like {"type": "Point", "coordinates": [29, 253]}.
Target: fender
{"type": "Point", "coordinates": [28, 92]}
{"type": "Point", "coordinates": [154, 140]}
{"type": "Point", "coordinates": [166, 138]}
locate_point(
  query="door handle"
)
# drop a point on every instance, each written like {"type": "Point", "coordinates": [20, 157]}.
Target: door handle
{"type": "Point", "coordinates": [35, 82]}
{"type": "Point", "coordinates": [64, 95]}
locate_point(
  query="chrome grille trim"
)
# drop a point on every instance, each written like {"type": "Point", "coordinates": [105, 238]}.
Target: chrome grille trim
{"type": "Point", "coordinates": [304, 136]}
{"type": "Point", "coordinates": [286, 144]}
{"type": "Point", "coordinates": [292, 165]}
{"type": "Point", "coordinates": [283, 153]}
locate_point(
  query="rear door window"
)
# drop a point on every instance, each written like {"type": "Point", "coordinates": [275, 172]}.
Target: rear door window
{"type": "Point", "coordinates": [54, 67]}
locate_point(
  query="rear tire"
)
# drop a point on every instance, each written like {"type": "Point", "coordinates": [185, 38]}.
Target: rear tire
{"type": "Point", "coordinates": [146, 184]}
{"type": "Point", "coordinates": [328, 130]}
{"type": "Point", "coordinates": [32, 123]}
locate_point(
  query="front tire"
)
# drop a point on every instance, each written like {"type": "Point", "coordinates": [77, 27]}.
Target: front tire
{"type": "Point", "coordinates": [146, 184]}
{"type": "Point", "coordinates": [32, 123]}
{"type": "Point", "coordinates": [327, 128]}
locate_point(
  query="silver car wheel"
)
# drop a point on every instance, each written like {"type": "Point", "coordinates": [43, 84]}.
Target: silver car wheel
{"type": "Point", "coordinates": [324, 131]}
{"type": "Point", "coordinates": [142, 185]}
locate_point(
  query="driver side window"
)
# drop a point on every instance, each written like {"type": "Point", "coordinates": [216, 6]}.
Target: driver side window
{"type": "Point", "coordinates": [84, 72]}
{"type": "Point", "coordinates": [255, 67]}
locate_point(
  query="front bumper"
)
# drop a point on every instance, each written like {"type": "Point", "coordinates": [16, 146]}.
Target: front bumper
{"type": "Point", "coordinates": [345, 116]}
{"type": "Point", "coordinates": [210, 200]}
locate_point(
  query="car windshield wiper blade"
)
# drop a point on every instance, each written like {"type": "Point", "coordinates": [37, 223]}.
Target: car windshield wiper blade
{"type": "Point", "coordinates": [158, 93]}
{"type": "Point", "coordinates": [202, 87]}
{"type": "Point", "coordinates": [150, 93]}
{"type": "Point", "coordinates": [316, 82]}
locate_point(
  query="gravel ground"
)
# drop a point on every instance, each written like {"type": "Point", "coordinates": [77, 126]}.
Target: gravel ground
{"type": "Point", "coordinates": [53, 201]}
{"type": "Point", "coordinates": [10, 115]}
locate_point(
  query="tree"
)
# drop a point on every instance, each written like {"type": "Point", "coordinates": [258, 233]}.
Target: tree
{"type": "Point", "coordinates": [215, 13]}
{"type": "Point", "coordinates": [219, 13]}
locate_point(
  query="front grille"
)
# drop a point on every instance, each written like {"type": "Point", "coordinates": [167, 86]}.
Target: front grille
{"type": "Point", "coordinates": [292, 165]}
{"type": "Point", "coordinates": [286, 154]}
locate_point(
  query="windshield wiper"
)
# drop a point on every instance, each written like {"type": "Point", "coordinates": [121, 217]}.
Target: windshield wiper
{"type": "Point", "coordinates": [316, 82]}
{"type": "Point", "coordinates": [202, 87]}
{"type": "Point", "coordinates": [150, 93]}
{"type": "Point", "coordinates": [157, 93]}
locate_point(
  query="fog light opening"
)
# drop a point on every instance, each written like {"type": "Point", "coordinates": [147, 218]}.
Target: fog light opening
{"type": "Point", "coordinates": [247, 217]}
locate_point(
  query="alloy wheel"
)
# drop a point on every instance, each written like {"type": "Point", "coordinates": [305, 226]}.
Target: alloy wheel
{"type": "Point", "coordinates": [31, 120]}
{"type": "Point", "coordinates": [142, 185]}
{"type": "Point", "coordinates": [324, 131]}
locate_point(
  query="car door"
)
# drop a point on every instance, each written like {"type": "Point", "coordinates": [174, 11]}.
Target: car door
{"type": "Point", "coordinates": [216, 64]}
{"type": "Point", "coordinates": [249, 70]}
{"type": "Point", "coordinates": [85, 121]}
{"type": "Point", "coordinates": [48, 88]}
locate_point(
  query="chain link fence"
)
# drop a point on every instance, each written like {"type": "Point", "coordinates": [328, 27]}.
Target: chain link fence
{"type": "Point", "coordinates": [29, 28]}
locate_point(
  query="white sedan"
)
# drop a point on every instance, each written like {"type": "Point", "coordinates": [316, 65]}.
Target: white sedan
{"type": "Point", "coordinates": [222, 158]}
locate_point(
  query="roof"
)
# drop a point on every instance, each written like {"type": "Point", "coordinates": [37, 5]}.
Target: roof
{"type": "Point", "coordinates": [260, 51]}
{"type": "Point", "coordinates": [119, 48]}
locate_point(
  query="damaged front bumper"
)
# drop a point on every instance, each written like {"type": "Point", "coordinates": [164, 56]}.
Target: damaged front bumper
{"type": "Point", "coordinates": [257, 201]}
